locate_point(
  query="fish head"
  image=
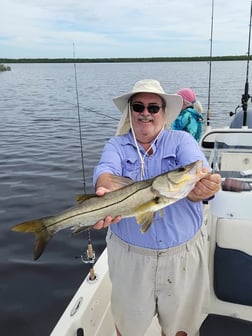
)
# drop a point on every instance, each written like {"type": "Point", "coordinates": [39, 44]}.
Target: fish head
{"type": "Point", "coordinates": [191, 172]}
{"type": "Point", "coordinates": [179, 182]}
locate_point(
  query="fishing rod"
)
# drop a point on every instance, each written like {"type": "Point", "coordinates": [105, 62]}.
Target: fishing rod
{"type": "Point", "coordinates": [246, 96]}
{"type": "Point", "coordinates": [210, 67]}
{"type": "Point", "coordinates": [90, 252]}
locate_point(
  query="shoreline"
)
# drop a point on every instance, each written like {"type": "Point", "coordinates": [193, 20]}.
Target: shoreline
{"type": "Point", "coordinates": [125, 60]}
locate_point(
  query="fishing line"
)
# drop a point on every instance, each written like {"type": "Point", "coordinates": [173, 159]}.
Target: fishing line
{"type": "Point", "coordinates": [79, 125]}
{"type": "Point", "coordinates": [90, 252]}
{"type": "Point", "coordinates": [93, 111]}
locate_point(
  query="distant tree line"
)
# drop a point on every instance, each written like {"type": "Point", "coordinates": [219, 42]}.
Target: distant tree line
{"type": "Point", "coordinates": [124, 60]}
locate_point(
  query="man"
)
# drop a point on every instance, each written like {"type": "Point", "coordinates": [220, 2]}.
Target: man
{"type": "Point", "coordinates": [163, 271]}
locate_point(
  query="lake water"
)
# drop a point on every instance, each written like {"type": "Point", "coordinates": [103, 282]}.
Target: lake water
{"type": "Point", "coordinates": [41, 167]}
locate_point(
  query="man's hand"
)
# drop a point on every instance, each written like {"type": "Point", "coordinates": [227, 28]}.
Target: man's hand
{"type": "Point", "coordinates": [107, 220]}
{"type": "Point", "coordinates": [205, 188]}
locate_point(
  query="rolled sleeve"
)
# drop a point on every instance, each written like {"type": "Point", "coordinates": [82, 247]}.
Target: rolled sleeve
{"type": "Point", "coordinates": [110, 161]}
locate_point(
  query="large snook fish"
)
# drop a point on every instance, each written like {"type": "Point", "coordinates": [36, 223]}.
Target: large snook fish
{"type": "Point", "coordinates": [136, 199]}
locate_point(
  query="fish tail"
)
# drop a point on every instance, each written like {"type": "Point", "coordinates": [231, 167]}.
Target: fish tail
{"type": "Point", "coordinates": [40, 230]}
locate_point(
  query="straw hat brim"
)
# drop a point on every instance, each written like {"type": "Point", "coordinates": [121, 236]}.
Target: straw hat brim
{"type": "Point", "coordinates": [173, 103]}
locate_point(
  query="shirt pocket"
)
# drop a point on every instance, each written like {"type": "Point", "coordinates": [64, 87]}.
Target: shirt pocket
{"type": "Point", "coordinates": [131, 168]}
{"type": "Point", "coordinates": [169, 162]}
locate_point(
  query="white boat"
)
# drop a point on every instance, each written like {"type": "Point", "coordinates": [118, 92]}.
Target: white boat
{"type": "Point", "coordinates": [228, 218]}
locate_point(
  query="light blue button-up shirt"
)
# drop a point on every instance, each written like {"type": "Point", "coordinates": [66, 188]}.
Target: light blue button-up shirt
{"type": "Point", "coordinates": [176, 223]}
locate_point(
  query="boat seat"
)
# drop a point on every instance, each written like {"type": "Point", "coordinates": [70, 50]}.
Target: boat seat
{"type": "Point", "coordinates": [229, 234]}
{"type": "Point", "coordinates": [233, 261]}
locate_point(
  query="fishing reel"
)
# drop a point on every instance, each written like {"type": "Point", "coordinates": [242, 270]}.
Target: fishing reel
{"type": "Point", "coordinates": [89, 257]}
{"type": "Point", "coordinates": [231, 113]}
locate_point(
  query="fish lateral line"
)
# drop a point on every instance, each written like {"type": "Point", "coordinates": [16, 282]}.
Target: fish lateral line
{"type": "Point", "coordinates": [86, 212]}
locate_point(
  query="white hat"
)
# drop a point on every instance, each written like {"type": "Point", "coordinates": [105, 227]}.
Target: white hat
{"type": "Point", "coordinates": [173, 101]}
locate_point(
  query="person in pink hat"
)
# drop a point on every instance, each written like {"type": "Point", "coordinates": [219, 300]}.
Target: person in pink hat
{"type": "Point", "coordinates": [190, 118]}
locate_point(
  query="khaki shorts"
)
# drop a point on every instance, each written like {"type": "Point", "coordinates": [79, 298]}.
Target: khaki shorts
{"type": "Point", "coordinates": [172, 283]}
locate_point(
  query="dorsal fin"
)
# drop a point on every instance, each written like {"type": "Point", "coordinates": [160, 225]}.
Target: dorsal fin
{"type": "Point", "coordinates": [83, 197]}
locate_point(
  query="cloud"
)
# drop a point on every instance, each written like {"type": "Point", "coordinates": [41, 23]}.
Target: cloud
{"type": "Point", "coordinates": [124, 28]}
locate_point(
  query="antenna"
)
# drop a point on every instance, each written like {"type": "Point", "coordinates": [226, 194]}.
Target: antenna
{"type": "Point", "coordinates": [210, 67]}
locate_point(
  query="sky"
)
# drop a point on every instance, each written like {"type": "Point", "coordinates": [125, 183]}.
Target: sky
{"type": "Point", "coordinates": [122, 28]}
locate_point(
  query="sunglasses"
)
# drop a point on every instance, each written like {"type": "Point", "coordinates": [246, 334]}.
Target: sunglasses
{"type": "Point", "coordinates": [137, 107]}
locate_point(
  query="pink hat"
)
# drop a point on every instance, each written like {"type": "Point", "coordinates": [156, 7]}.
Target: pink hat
{"type": "Point", "coordinates": [187, 94]}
